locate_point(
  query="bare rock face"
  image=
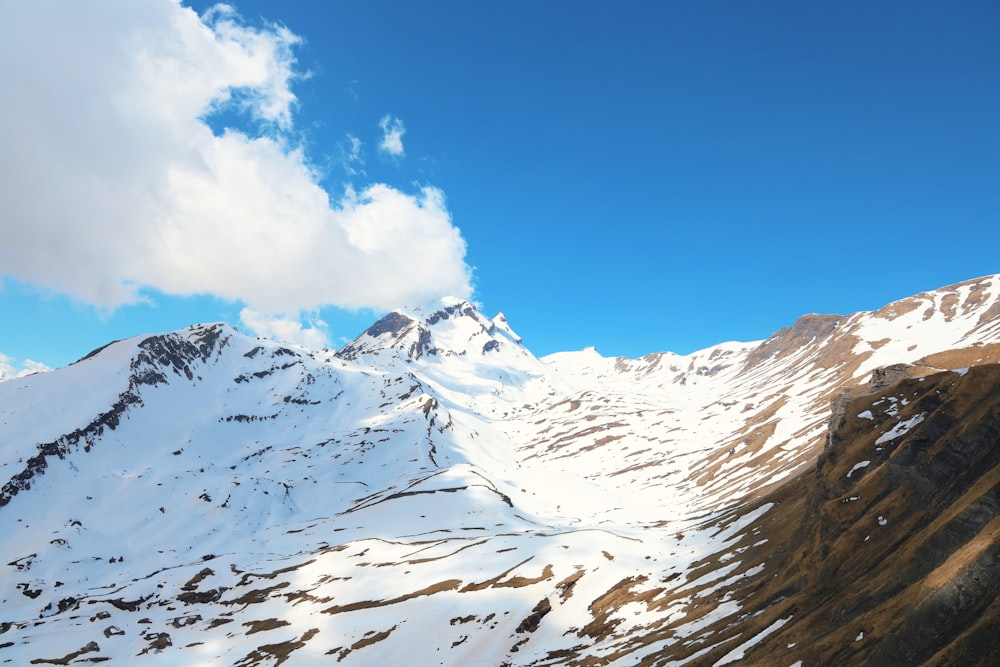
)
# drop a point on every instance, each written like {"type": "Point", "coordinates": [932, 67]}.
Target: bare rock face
{"type": "Point", "coordinates": [885, 377]}
{"type": "Point", "coordinates": [805, 330]}
{"type": "Point", "coordinates": [896, 558]}
{"type": "Point", "coordinates": [180, 353]}
{"type": "Point", "coordinates": [395, 330]}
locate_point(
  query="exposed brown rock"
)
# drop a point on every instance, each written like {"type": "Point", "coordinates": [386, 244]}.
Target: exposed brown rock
{"type": "Point", "coordinates": [898, 562]}
{"type": "Point", "coordinates": [806, 329]}
{"type": "Point", "coordinates": [531, 623]}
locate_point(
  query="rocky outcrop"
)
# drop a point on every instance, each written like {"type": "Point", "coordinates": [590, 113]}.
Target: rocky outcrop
{"type": "Point", "coordinates": [178, 353]}
{"type": "Point", "coordinates": [805, 330]}
{"type": "Point", "coordinates": [157, 355]}
{"type": "Point", "coordinates": [888, 553]}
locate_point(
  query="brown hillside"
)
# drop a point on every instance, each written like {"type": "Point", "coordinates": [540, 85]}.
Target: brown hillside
{"type": "Point", "coordinates": [895, 561]}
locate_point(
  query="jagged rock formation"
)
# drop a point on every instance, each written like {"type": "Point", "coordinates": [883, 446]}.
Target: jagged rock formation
{"type": "Point", "coordinates": [434, 491]}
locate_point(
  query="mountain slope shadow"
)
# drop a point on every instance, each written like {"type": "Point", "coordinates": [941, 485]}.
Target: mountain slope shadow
{"type": "Point", "coordinates": [887, 553]}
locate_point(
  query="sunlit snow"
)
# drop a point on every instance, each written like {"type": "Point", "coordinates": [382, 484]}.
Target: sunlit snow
{"type": "Point", "coordinates": [414, 499]}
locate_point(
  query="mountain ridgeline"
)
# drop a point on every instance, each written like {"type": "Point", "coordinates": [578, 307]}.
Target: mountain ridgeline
{"type": "Point", "coordinates": [434, 494]}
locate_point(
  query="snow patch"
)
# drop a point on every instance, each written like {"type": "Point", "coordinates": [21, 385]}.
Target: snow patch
{"type": "Point", "coordinates": [900, 429]}
{"type": "Point", "coordinates": [738, 652]}
{"type": "Point", "coordinates": [858, 466]}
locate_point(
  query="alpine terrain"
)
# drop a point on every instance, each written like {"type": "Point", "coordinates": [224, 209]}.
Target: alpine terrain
{"type": "Point", "coordinates": [434, 494]}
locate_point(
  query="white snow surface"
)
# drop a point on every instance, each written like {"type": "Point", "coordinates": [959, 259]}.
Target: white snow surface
{"type": "Point", "coordinates": [205, 497]}
{"type": "Point", "coordinates": [738, 653]}
{"type": "Point", "coordinates": [900, 429]}
{"type": "Point", "coordinates": [858, 466]}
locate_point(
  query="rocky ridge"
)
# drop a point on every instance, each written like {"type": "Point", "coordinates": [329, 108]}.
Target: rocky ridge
{"type": "Point", "coordinates": [433, 492]}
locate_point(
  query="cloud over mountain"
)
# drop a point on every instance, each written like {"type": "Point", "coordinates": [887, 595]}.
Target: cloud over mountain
{"type": "Point", "coordinates": [114, 178]}
{"type": "Point", "coordinates": [9, 369]}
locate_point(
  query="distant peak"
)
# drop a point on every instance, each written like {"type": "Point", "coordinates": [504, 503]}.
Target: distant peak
{"type": "Point", "coordinates": [500, 324]}
{"type": "Point", "coordinates": [445, 302]}
{"type": "Point", "coordinates": [457, 308]}
{"type": "Point", "coordinates": [444, 326]}
{"type": "Point", "coordinates": [389, 332]}
{"type": "Point", "coordinates": [438, 305]}
{"type": "Point", "coordinates": [392, 323]}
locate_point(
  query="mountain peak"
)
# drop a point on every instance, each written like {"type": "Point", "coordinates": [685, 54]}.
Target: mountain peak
{"type": "Point", "coordinates": [447, 326]}
{"type": "Point", "coordinates": [445, 303]}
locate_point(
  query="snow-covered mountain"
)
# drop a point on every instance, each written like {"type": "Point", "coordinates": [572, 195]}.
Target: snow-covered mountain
{"type": "Point", "coordinates": [434, 494]}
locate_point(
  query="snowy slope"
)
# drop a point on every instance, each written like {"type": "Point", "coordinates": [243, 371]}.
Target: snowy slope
{"type": "Point", "coordinates": [430, 494]}
{"type": "Point", "coordinates": [728, 420]}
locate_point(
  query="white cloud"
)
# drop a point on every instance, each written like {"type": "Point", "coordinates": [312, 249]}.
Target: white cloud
{"type": "Point", "coordinates": [286, 329]}
{"type": "Point", "coordinates": [351, 157]}
{"type": "Point", "coordinates": [34, 367]}
{"type": "Point", "coordinates": [111, 179]}
{"type": "Point", "coordinates": [8, 371]}
{"type": "Point", "coordinates": [392, 136]}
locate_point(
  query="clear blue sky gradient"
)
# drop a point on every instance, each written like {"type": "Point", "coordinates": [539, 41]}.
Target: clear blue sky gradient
{"type": "Point", "coordinates": [643, 176]}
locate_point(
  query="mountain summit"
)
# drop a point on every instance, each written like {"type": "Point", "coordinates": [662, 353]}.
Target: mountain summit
{"type": "Point", "coordinates": [434, 492]}
{"type": "Point", "coordinates": [447, 327]}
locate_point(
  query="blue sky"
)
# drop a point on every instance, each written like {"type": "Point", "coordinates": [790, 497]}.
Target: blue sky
{"type": "Point", "coordinates": [639, 177]}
